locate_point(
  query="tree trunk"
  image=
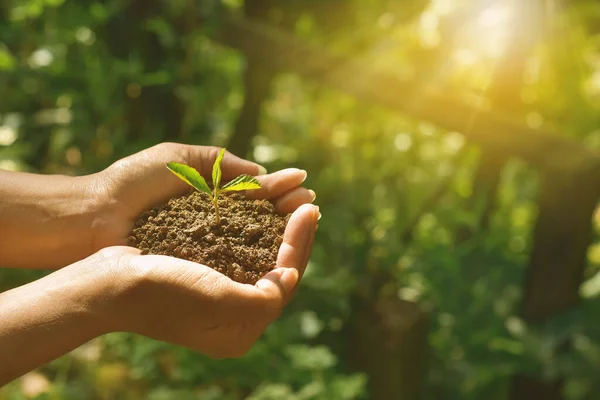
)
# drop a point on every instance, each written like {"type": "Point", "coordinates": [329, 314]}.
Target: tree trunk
{"type": "Point", "coordinates": [387, 340]}
{"type": "Point", "coordinates": [148, 109]}
{"type": "Point", "coordinates": [257, 81]}
{"type": "Point", "coordinates": [562, 235]}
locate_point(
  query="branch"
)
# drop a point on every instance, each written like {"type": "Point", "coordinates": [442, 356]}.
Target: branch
{"type": "Point", "coordinates": [543, 150]}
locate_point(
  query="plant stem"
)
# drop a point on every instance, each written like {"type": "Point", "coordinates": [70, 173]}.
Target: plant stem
{"type": "Point", "coordinates": [216, 204]}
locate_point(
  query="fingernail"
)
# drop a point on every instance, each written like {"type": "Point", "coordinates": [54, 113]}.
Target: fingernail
{"type": "Point", "coordinates": [319, 217]}
{"type": "Point", "coordinates": [261, 170]}
{"type": "Point", "coordinates": [305, 175]}
{"type": "Point", "coordinates": [317, 227]}
{"type": "Point", "coordinates": [313, 195]}
{"type": "Point", "coordinates": [288, 279]}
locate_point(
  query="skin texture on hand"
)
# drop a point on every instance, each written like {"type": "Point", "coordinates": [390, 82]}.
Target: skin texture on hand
{"type": "Point", "coordinates": [52, 221]}
{"type": "Point", "coordinates": [165, 298]}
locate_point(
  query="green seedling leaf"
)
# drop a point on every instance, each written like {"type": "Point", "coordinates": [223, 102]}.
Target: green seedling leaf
{"type": "Point", "coordinates": [216, 174]}
{"type": "Point", "coordinates": [190, 176]}
{"type": "Point", "coordinates": [242, 182]}
{"type": "Point", "coordinates": [193, 178]}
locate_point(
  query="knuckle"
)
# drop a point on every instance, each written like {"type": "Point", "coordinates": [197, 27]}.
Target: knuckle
{"type": "Point", "coordinates": [213, 152]}
{"type": "Point", "coordinates": [107, 253]}
{"type": "Point", "coordinates": [209, 155]}
{"type": "Point", "coordinates": [173, 152]}
{"type": "Point", "coordinates": [165, 146]}
{"type": "Point", "coordinates": [120, 165]}
{"type": "Point", "coordinates": [104, 254]}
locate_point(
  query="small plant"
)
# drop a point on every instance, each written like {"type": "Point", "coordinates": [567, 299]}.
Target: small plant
{"type": "Point", "coordinates": [193, 178]}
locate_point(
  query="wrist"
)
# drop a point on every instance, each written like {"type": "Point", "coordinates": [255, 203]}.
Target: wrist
{"type": "Point", "coordinates": [52, 316]}
{"type": "Point", "coordinates": [77, 217]}
{"type": "Point", "coordinates": [46, 219]}
{"type": "Point", "coordinates": [87, 296]}
{"type": "Point", "coordinates": [113, 286]}
{"type": "Point", "coordinates": [97, 284]}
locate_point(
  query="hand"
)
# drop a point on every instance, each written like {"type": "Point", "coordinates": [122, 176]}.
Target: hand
{"type": "Point", "coordinates": [137, 183]}
{"type": "Point", "coordinates": [65, 219]}
{"type": "Point", "coordinates": [165, 298]}
{"type": "Point", "coordinates": [192, 305]}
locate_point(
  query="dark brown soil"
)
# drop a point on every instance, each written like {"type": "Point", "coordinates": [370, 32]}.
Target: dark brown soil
{"type": "Point", "coordinates": [243, 246]}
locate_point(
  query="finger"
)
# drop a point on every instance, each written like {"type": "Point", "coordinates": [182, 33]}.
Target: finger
{"type": "Point", "coordinates": [296, 239]}
{"type": "Point", "coordinates": [280, 283]}
{"type": "Point", "coordinates": [203, 157]}
{"type": "Point", "coordinates": [307, 258]}
{"type": "Point", "coordinates": [310, 245]}
{"type": "Point", "coordinates": [278, 183]}
{"type": "Point", "coordinates": [293, 199]}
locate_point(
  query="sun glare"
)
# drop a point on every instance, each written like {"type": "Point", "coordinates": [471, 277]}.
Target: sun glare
{"type": "Point", "coordinates": [493, 26]}
{"type": "Point", "coordinates": [480, 38]}
{"type": "Point", "coordinates": [486, 36]}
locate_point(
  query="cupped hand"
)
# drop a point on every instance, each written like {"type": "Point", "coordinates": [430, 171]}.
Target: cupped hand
{"type": "Point", "coordinates": [139, 182]}
{"type": "Point", "coordinates": [192, 305]}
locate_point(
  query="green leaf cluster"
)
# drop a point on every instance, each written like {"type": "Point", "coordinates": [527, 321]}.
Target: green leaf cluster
{"type": "Point", "coordinates": [192, 177]}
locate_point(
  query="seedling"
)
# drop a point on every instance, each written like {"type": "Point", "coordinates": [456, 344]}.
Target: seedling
{"type": "Point", "coordinates": [193, 178]}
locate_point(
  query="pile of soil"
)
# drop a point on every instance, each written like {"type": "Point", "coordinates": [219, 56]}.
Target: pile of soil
{"type": "Point", "coordinates": [243, 246]}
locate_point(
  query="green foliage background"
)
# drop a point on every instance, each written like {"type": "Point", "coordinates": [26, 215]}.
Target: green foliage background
{"type": "Point", "coordinates": [85, 83]}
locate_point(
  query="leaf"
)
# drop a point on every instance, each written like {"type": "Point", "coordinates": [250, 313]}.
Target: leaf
{"type": "Point", "coordinates": [242, 182]}
{"type": "Point", "coordinates": [7, 60]}
{"type": "Point", "coordinates": [216, 175]}
{"type": "Point", "coordinates": [311, 358]}
{"type": "Point", "coordinates": [190, 176]}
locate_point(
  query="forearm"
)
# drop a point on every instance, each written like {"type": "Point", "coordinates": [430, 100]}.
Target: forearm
{"type": "Point", "coordinates": [45, 220]}
{"type": "Point", "coordinates": [47, 318]}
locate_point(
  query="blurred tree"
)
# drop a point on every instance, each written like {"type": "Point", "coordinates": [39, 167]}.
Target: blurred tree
{"type": "Point", "coordinates": [86, 83]}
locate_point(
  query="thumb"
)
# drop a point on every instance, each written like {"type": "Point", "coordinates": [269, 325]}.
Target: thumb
{"type": "Point", "coordinates": [293, 255]}
{"type": "Point", "coordinates": [279, 283]}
